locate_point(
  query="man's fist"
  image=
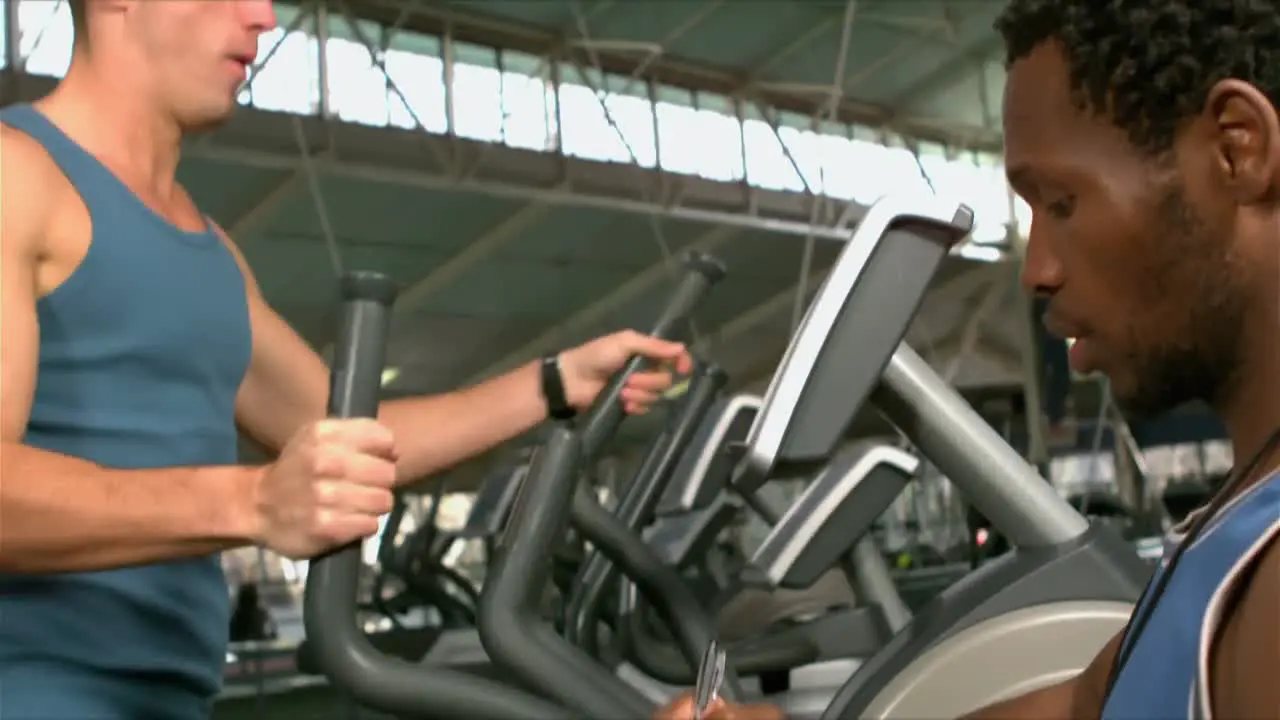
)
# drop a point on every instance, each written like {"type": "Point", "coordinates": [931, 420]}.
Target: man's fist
{"type": "Point", "coordinates": [588, 367]}
{"type": "Point", "coordinates": [682, 709]}
{"type": "Point", "coordinates": [328, 488]}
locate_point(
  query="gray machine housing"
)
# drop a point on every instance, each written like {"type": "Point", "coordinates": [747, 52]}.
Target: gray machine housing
{"type": "Point", "coordinates": [826, 528]}
{"type": "Point", "coordinates": [705, 468]}
{"type": "Point", "coordinates": [1065, 588]}
{"type": "Point", "coordinates": [695, 507]}
{"type": "Point", "coordinates": [1084, 569]}
{"type": "Point", "coordinates": [837, 508]}
{"type": "Point", "coordinates": [682, 538]}
{"type": "Point", "coordinates": [496, 496]}
{"type": "Point", "coordinates": [903, 241]}
{"type": "Point", "coordinates": [806, 422]}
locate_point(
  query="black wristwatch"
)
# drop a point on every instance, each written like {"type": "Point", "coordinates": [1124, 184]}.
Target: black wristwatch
{"type": "Point", "coordinates": [558, 407]}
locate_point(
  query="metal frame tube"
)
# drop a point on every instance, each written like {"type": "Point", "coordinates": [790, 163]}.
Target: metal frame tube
{"type": "Point", "coordinates": [991, 474]}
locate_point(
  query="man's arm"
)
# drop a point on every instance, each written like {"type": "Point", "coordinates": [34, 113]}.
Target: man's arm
{"type": "Point", "coordinates": [287, 387]}
{"type": "Point", "coordinates": [63, 514]}
{"type": "Point", "coordinates": [1247, 650]}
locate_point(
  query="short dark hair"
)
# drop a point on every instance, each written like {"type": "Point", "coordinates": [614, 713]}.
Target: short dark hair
{"type": "Point", "coordinates": [1149, 65]}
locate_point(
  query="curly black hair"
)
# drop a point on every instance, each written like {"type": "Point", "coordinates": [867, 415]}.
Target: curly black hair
{"type": "Point", "coordinates": [1148, 65]}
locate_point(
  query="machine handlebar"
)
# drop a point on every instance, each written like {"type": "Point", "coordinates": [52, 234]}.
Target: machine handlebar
{"type": "Point", "coordinates": [701, 272]}
{"type": "Point", "coordinates": [339, 646]}
{"type": "Point", "coordinates": [510, 628]}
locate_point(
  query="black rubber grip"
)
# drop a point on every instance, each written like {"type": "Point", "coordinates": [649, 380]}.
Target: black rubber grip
{"type": "Point", "coordinates": [657, 582]}
{"type": "Point", "coordinates": [337, 645]}
{"type": "Point", "coordinates": [510, 628]}
{"type": "Point", "coordinates": [359, 354]}
{"type": "Point", "coordinates": [636, 505]}
{"type": "Point", "coordinates": [701, 273]}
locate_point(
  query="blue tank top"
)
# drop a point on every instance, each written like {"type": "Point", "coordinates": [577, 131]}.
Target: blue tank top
{"type": "Point", "coordinates": [142, 351]}
{"type": "Point", "coordinates": [1167, 675]}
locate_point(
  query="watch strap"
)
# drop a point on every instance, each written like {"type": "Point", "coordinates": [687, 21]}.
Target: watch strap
{"type": "Point", "coordinates": [553, 392]}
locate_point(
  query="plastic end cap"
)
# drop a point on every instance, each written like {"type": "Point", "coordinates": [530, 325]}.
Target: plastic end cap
{"type": "Point", "coordinates": [368, 285]}
{"type": "Point", "coordinates": [963, 219]}
{"type": "Point", "coordinates": [708, 265]}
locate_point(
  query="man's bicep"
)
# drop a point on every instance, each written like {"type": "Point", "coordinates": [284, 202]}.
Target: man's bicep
{"type": "Point", "coordinates": [1247, 646]}
{"type": "Point", "coordinates": [20, 227]}
{"type": "Point", "coordinates": [1091, 687]}
{"type": "Point", "coordinates": [19, 342]}
{"type": "Point", "coordinates": [287, 383]}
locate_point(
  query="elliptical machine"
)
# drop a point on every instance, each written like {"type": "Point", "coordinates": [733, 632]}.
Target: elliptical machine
{"type": "Point", "coordinates": [1018, 622]}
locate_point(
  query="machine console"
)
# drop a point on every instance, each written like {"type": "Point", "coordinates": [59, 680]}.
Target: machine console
{"type": "Point", "coordinates": [705, 468]}
{"type": "Point", "coordinates": [850, 331]}
{"type": "Point", "coordinates": [834, 512]}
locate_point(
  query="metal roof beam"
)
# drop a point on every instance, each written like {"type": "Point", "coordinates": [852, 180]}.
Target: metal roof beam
{"type": "Point", "coordinates": [554, 196]}
{"type": "Point", "coordinates": [475, 28]}
{"type": "Point", "coordinates": [761, 367]}
{"type": "Point", "coordinates": [948, 73]}
{"type": "Point", "coordinates": [804, 40]}
{"type": "Point", "coordinates": [254, 139]}
{"type": "Point", "coordinates": [903, 49]}
{"type": "Point", "coordinates": [600, 309]}
{"type": "Point", "coordinates": [917, 28]}
{"type": "Point", "coordinates": [966, 338]}
{"type": "Point", "coordinates": [756, 315]}
{"type": "Point", "coordinates": [472, 254]}
{"type": "Point", "coordinates": [244, 224]}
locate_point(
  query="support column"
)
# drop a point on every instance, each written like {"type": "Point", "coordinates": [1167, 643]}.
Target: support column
{"type": "Point", "coordinates": [321, 22]}
{"type": "Point", "coordinates": [1131, 465]}
{"type": "Point", "coordinates": [1127, 485]}
{"type": "Point", "coordinates": [12, 37]}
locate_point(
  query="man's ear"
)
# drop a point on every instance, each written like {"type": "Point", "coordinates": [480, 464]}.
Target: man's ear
{"type": "Point", "coordinates": [1246, 141]}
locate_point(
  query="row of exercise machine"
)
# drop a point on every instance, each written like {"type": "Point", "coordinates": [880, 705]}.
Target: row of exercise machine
{"type": "Point", "coordinates": [1021, 620]}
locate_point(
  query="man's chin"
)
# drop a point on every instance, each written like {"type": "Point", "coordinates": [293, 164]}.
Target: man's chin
{"type": "Point", "coordinates": [208, 121]}
{"type": "Point", "coordinates": [1140, 403]}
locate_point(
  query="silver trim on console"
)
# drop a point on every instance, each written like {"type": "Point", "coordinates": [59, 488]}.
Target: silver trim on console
{"type": "Point", "coordinates": [802, 521]}
{"type": "Point", "coordinates": [735, 405]}
{"type": "Point", "coordinates": [765, 438]}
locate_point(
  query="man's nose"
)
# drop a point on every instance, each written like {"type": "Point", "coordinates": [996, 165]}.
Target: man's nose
{"type": "Point", "coordinates": [1041, 271]}
{"type": "Point", "coordinates": [258, 15]}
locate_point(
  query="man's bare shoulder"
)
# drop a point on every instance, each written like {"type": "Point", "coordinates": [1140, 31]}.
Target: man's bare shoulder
{"type": "Point", "coordinates": [25, 154]}
{"type": "Point", "coordinates": [31, 186]}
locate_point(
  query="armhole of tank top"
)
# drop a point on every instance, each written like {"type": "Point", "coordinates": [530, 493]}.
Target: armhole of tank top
{"type": "Point", "coordinates": [69, 174]}
{"type": "Point", "coordinates": [1202, 688]}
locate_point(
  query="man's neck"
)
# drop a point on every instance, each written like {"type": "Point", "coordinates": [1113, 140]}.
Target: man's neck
{"type": "Point", "coordinates": [113, 116]}
{"type": "Point", "coordinates": [1252, 410]}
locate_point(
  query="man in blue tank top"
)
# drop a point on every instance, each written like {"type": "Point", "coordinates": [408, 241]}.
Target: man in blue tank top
{"type": "Point", "coordinates": [135, 341]}
{"type": "Point", "coordinates": [1145, 136]}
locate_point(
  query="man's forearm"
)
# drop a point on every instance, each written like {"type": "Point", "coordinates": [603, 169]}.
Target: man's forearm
{"type": "Point", "coordinates": [437, 432]}
{"type": "Point", "coordinates": [63, 514]}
